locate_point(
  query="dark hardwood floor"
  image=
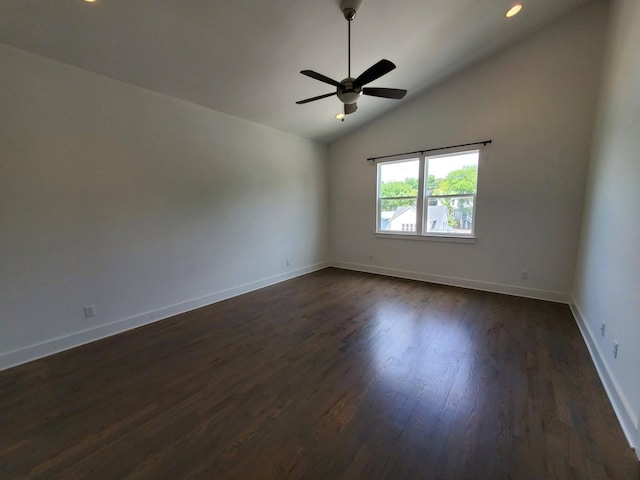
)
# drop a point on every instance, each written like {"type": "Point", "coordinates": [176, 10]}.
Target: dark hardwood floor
{"type": "Point", "coordinates": [328, 376]}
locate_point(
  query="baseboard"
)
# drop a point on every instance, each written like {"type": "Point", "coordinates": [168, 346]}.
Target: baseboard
{"type": "Point", "coordinates": [66, 342]}
{"type": "Point", "coordinates": [627, 418]}
{"type": "Point", "coordinates": [558, 297]}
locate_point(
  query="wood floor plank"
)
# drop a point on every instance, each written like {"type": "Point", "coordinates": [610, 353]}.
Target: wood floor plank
{"type": "Point", "coordinates": [331, 375]}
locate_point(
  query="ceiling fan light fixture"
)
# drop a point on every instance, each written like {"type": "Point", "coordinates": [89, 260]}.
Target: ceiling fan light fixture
{"type": "Point", "coordinates": [340, 116]}
{"type": "Point", "coordinates": [349, 97]}
{"type": "Point", "coordinates": [514, 10]}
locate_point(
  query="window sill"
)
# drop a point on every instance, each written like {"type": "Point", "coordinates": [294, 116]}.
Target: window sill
{"type": "Point", "coordinates": [427, 238]}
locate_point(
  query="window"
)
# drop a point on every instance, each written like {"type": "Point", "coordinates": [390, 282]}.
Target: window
{"type": "Point", "coordinates": [408, 227]}
{"type": "Point", "coordinates": [428, 195]}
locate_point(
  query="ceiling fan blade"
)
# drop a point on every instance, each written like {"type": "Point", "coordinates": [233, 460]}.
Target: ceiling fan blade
{"type": "Point", "coordinates": [322, 78]}
{"type": "Point", "coordinates": [350, 108]}
{"type": "Point", "coordinates": [373, 73]}
{"type": "Point", "coordinates": [313, 99]}
{"type": "Point", "coordinates": [395, 93]}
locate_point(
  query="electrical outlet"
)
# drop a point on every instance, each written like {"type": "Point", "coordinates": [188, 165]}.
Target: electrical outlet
{"type": "Point", "coordinates": [524, 275]}
{"type": "Point", "coordinates": [602, 328]}
{"type": "Point", "coordinates": [89, 311]}
{"type": "Point", "coordinates": [288, 262]}
{"type": "Point", "coordinates": [615, 349]}
{"type": "Point", "coordinates": [371, 258]}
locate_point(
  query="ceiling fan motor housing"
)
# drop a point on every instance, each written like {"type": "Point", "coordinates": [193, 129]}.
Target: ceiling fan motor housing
{"type": "Point", "coordinates": [347, 93]}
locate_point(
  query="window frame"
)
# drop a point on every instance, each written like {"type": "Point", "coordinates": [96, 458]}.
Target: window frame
{"type": "Point", "coordinates": [423, 196]}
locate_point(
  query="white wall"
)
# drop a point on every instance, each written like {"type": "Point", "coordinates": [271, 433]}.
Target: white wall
{"type": "Point", "coordinates": [607, 287]}
{"type": "Point", "coordinates": [139, 204]}
{"type": "Point", "coordinates": [537, 102]}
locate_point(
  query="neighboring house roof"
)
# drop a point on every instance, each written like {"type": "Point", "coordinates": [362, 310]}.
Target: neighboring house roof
{"type": "Point", "coordinates": [401, 211]}
{"type": "Point", "coordinates": [437, 217]}
{"type": "Point", "coordinates": [439, 213]}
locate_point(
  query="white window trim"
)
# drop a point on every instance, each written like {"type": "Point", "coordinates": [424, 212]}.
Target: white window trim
{"type": "Point", "coordinates": [425, 238]}
{"type": "Point", "coordinates": [423, 167]}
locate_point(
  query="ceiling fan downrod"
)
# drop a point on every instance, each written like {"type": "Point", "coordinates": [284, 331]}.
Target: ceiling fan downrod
{"type": "Point", "coordinates": [349, 48]}
{"type": "Point", "coordinates": [349, 10]}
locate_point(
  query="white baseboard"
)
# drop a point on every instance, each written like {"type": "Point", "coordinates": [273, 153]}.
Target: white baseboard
{"type": "Point", "coordinates": [558, 297]}
{"type": "Point", "coordinates": [75, 339]}
{"type": "Point", "coordinates": [626, 416]}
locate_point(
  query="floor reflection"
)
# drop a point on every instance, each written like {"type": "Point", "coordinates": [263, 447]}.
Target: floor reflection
{"type": "Point", "coordinates": [424, 362]}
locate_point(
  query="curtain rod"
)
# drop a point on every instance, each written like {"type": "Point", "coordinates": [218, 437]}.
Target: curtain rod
{"type": "Point", "coordinates": [484, 142]}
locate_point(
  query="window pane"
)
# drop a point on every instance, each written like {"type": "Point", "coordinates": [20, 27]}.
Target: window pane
{"type": "Point", "coordinates": [453, 174]}
{"type": "Point", "coordinates": [399, 179]}
{"type": "Point", "coordinates": [450, 215]}
{"type": "Point", "coordinates": [398, 215]}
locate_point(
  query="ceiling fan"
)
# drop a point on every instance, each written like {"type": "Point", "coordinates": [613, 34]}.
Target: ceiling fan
{"type": "Point", "coordinates": [350, 89]}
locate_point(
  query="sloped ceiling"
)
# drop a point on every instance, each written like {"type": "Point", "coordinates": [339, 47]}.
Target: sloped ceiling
{"type": "Point", "coordinates": [243, 57]}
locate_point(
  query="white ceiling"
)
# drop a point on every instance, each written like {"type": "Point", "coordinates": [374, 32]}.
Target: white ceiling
{"type": "Point", "coordinates": [243, 57]}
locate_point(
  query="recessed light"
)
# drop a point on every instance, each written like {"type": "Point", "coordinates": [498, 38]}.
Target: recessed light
{"type": "Point", "coordinates": [514, 10]}
{"type": "Point", "coordinates": [90, 1]}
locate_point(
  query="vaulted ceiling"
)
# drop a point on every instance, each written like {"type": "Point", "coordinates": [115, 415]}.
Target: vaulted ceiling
{"type": "Point", "coordinates": [243, 57]}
